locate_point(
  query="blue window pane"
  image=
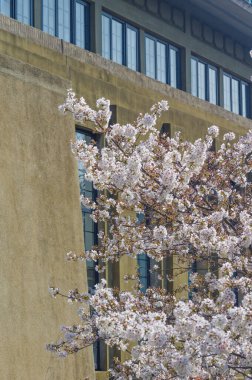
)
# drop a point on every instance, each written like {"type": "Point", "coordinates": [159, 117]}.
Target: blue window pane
{"type": "Point", "coordinates": [150, 57]}
{"type": "Point", "coordinates": [201, 80]}
{"type": "Point", "coordinates": [80, 25]}
{"type": "Point", "coordinates": [212, 80]}
{"type": "Point", "coordinates": [117, 42]}
{"type": "Point", "coordinates": [235, 96]}
{"type": "Point", "coordinates": [173, 67]}
{"type": "Point", "coordinates": [227, 92]}
{"type": "Point", "coordinates": [161, 62]}
{"type": "Point", "coordinates": [23, 8]}
{"type": "Point", "coordinates": [244, 100]}
{"type": "Point", "coordinates": [194, 77]}
{"type": "Point", "coordinates": [64, 19]}
{"type": "Point", "coordinates": [131, 38]}
{"type": "Point", "coordinates": [5, 7]}
{"type": "Point", "coordinates": [143, 271]}
{"type": "Point", "coordinates": [106, 41]}
{"type": "Point", "coordinates": [49, 16]}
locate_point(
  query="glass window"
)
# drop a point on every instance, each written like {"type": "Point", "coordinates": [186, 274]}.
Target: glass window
{"type": "Point", "coordinates": [90, 232]}
{"type": "Point", "coordinates": [131, 48]}
{"type": "Point", "coordinates": [148, 274]}
{"type": "Point", "coordinates": [106, 51]}
{"type": "Point", "coordinates": [244, 95]}
{"type": "Point", "coordinates": [81, 24]}
{"type": "Point", "coordinates": [227, 92]}
{"type": "Point", "coordinates": [64, 19]}
{"type": "Point", "coordinates": [212, 81]}
{"type": "Point", "coordinates": [67, 19]}
{"type": "Point", "coordinates": [23, 11]}
{"type": "Point", "coordinates": [236, 95]}
{"type": "Point", "coordinates": [201, 81]}
{"type": "Point", "coordinates": [174, 64]}
{"type": "Point", "coordinates": [49, 14]}
{"type": "Point", "coordinates": [194, 80]}
{"type": "Point", "coordinates": [161, 61]}
{"type": "Point", "coordinates": [150, 57]}
{"type": "Point", "coordinates": [5, 7]}
{"type": "Point", "coordinates": [204, 80]}
{"type": "Point", "coordinates": [119, 42]}
{"type": "Point", "coordinates": [143, 262]}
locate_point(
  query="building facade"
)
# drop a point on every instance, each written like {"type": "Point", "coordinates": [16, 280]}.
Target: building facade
{"type": "Point", "coordinates": [193, 53]}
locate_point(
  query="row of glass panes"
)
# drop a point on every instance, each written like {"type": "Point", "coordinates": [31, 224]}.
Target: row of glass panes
{"type": "Point", "coordinates": [66, 19]}
{"type": "Point", "coordinates": [204, 85]}
{"type": "Point", "coordinates": [19, 9]}
{"type": "Point", "coordinates": [120, 44]}
{"type": "Point", "coordinates": [69, 20]}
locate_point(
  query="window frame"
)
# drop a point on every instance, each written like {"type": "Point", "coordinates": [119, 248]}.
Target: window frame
{"type": "Point", "coordinates": [13, 11]}
{"type": "Point", "coordinates": [247, 100]}
{"type": "Point", "coordinates": [72, 22]}
{"type": "Point", "coordinates": [97, 345]}
{"type": "Point", "coordinates": [206, 81]}
{"type": "Point", "coordinates": [168, 47]}
{"type": "Point", "coordinates": [125, 27]}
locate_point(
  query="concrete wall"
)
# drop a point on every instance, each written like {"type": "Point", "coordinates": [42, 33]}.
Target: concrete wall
{"type": "Point", "coordinates": [39, 192]}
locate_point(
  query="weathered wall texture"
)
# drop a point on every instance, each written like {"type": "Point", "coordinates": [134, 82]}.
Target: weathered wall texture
{"type": "Point", "coordinates": [40, 215]}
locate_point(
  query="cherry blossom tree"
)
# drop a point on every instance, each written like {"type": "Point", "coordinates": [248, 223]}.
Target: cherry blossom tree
{"type": "Point", "coordinates": [195, 205]}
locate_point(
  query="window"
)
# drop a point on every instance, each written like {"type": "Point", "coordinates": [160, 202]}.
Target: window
{"type": "Point", "coordinates": [21, 10]}
{"type": "Point", "coordinates": [119, 42]}
{"type": "Point", "coordinates": [204, 80]}
{"type": "Point", "coordinates": [148, 268]}
{"type": "Point", "coordinates": [90, 231]}
{"type": "Point", "coordinates": [67, 19]}
{"type": "Point", "coordinates": [5, 7]}
{"type": "Point", "coordinates": [162, 61]}
{"type": "Point", "coordinates": [236, 95]}
{"type": "Point", "coordinates": [148, 275]}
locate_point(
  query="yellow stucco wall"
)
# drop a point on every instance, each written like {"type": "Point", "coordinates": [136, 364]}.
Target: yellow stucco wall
{"type": "Point", "coordinates": [39, 193]}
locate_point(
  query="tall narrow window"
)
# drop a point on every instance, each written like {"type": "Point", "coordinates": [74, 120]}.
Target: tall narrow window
{"type": "Point", "coordinates": [64, 19]}
{"type": "Point", "coordinates": [244, 100]}
{"type": "Point", "coordinates": [89, 227]}
{"type": "Point", "coordinates": [143, 262]}
{"type": "Point", "coordinates": [204, 80]}
{"type": "Point", "coordinates": [194, 78]}
{"type": "Point", "coordinates": [89, 230]}
{"type": "Point", "coordinates": [5, 7]}
{"type": "Point", "coordinates": [150, 57]}
{"type": "Point", "coordinates": [236, 95]}
{"type": "Point", "coordinates": [81, 19]}
{"type": "Point", "coordinates": [23, 11]}
{"type": "Point", "coordinates": [212, 81]}
{"type": "Point", "coordinates": [162, 61]}
{"type": "Point", "coordinates": [49, 16]}
{"type": "Point", "coordinates": [174, 67]}
{"type": "Point", "coordinates": [201, 81]}
{"type": "Point", "coordinates": [131, 48]}
{"type": "Point", "coordinates": [119, 41]}
{"type": "Point", "coordinates": [227, 92]}
{"type": "Point", "coordinates": [106, 50]}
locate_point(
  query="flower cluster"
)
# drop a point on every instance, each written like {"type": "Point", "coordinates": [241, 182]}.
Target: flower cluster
{"type": "Point", "coordinates": [195, 206]}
